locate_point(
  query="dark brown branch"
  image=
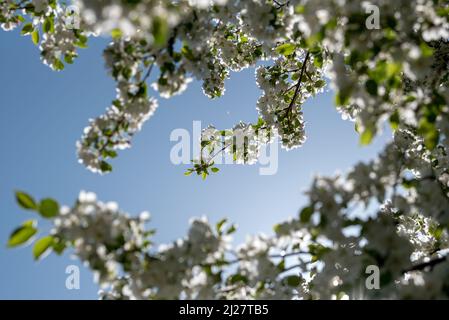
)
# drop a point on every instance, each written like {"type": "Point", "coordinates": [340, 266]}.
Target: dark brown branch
{"type": "Point", "coordinates": [429, 264]}
{"type": "Point", "coordinates": [280, 5]}
{"type": "Point", "coordinates": [298, 84]}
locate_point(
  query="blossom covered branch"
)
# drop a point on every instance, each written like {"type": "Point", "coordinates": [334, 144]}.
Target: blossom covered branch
{"type": "Point", "coordinates": [391, 212]}
{"type": "Point", "coordinates": [396, 71]}
{"type": "Point", "coordinates": [351, 221]}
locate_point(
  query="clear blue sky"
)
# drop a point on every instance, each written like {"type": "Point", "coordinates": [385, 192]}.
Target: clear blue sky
{"type": "Point", "coordinates": [43, 113]}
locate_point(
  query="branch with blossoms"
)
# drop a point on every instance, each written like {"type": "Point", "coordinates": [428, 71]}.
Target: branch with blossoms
{"type": "Point", "coordinates": [379, 74]}
{"type": "Point", "coordinates": [389, 212]}
{"type": "Point", "coordinates": [281, 117]}
{"type": "Point", "coordinates": [311, 256]}
{"type": "Point", "coordinates": [297, 86]}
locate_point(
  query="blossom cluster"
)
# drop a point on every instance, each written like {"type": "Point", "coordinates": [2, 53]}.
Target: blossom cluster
{"type": "Point", "coordinates": [50, 26]}
{"type": "Point", "coordinates": [131, 108]}
{"type": "Point", "coordinates": [391, 68]}
{"type": "Point", "coordinates": [102, 236]}
{"type": "Point", "coordinates": [390, 212]}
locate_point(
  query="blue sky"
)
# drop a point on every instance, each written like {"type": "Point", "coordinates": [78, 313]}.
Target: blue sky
{"type": "Point", "coordinates": [43, 113]}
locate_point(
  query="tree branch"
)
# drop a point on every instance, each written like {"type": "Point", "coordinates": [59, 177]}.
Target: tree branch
{"type": "Point", "coordinates": [428, 264]}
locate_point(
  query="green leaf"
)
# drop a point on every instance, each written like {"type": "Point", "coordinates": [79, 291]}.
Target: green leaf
{"type": "Point", "coordinates": [48, 25]}
{"type": "Point", "coordinates": [426, 50]}
{"type": "Point", "coordinates": [27, 29]}
{"type": "Point", "coordinates": [160, 31]}
{"type": "Point", "coordinates": [306, 214]}
{"type": "Point", "coordinates": [215, 169]}
{"type": "Point", "coordinates": [342, 97]}
{"type": "Point", "coordinates": [281, 265]}
{"type": "Point", "coordinates": [41, 246]}
{"type": "Point", "coordinates": [48, 208]}
{"type": "Point", "coordinates": [237, 278]}
{"type": "Point", "coordinates": [429, 132]}
{"type": "Point", "coordinates": [319, 84]}
{"type": "Point", "coordinates": [318, 61]}
{"type": "Point", "coordinates": [293, 280]}
{"type": "Point", "coordinates": [58, 246]}
{"type": "Point", "coordinates": [22, 234]}
{"type": "Point", "coordinates": [395, 120]}
{"type": "Point", "coordinates": [366, 137]}
{"type": "Point", "coordinates": [188, 53]}
{"type": "Point", "coordinates": [111, 154]}
{"type": "Point", "coordinates": [277, 228]}
{"type": "Point", "coordinates": [116, 33]}
{"type": "Point", "coordinates": [25, 201]}
{"type": "Point", "coordinates": [58, 65]}
{"type": "Point", "coordinates": [295, 76]}
{"type": "Point", "coordinates": [82, 41]}
{"type": "Point", "coordinates": [220, 225]}
{"type": "Point", "coordinates": [35, 36]}
{"type": "Point", "coordinates": [299, 9]}
{"type": "Point", "coordinates": [286, 49]}
{"type": "Point", "coordinates": [371, 87]}
{"type": "Point", "coordinates": [231, 229]}
{"type": "Point", "coordinates": [105, 167]}
{"type": "Point", "coordinates": [437, 232]}
{"type": "Point", "coordinates": [393, 69]}
{"type": "Point", "coordinates": [68, 58]}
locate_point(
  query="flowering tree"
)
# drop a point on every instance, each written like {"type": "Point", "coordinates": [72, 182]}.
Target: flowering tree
{"type": "Point", "coordinates": [387, 62]}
